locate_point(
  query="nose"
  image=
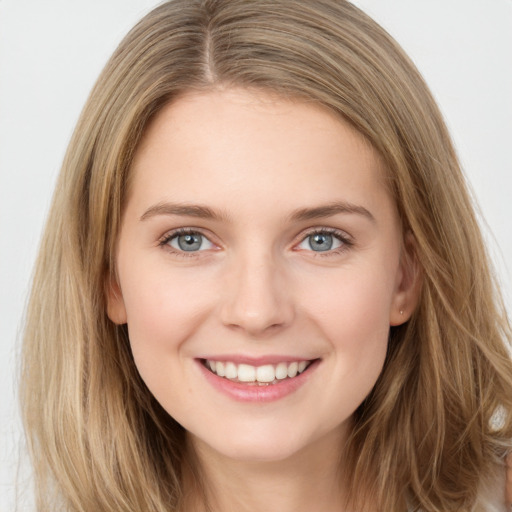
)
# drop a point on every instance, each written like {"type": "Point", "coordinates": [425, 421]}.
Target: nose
{"type": "Point", "coordinates": [257, 299]}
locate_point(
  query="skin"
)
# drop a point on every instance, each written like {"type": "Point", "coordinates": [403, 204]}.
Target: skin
{"type": "Point", "coordinates": [257, 288]}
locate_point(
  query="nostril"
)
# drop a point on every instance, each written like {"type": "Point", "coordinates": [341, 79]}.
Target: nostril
{"type": "Point", "coordinates": [255, 299]}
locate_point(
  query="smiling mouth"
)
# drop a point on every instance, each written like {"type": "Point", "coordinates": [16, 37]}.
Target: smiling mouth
{"type": "Point", "coordinates": [264, 375]}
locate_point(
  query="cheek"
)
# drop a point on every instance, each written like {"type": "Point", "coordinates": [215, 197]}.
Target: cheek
{"type": "Point", "coordinates": [352, 299]}
{"type": "Point", "coordinates": [354, 318]}
{"type": "Point", "coordinates": [163, 310]}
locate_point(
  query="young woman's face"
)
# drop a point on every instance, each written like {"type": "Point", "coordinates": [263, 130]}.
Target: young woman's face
{"type": "Point", "coordinates": [258, 239]}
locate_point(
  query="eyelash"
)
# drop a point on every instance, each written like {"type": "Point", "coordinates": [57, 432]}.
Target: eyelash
{"type": "Point", "coordinates": [164, 241]}
{"type": "Point", "coordinates": [341, 236]}
{"type": "Point", "coordinates": [346, 241]}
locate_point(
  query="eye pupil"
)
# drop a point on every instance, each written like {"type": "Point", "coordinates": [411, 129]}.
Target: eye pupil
{"type": "Point", "coordinates": [321, 242]}
{"type": "Point", "coordinates": [189, 242]}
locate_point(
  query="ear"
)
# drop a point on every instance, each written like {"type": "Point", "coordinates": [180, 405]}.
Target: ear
{"type": "Point", "coordinates": [116, 310]}
{"type": "Point", "coordinates": [408, 283]}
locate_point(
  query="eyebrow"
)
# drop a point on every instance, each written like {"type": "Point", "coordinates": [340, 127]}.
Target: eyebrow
{"type": "Point", "coordinates": [186, 210]}
{"type": "Point", "coordinates": [302, 214]}
{"type": "Point", "coordinates": [329, 210]}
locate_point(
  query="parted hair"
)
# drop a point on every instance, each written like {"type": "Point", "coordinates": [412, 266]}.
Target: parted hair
{"type": "Point", "coordinates": [432, 432]}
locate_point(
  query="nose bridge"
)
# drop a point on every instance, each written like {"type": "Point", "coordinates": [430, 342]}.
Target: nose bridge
{"type": "Point", "coordinates": [257, 298]}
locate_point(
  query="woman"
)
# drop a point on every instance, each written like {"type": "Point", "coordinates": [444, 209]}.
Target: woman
{"type": "Point", "coordinates": [255, 283]}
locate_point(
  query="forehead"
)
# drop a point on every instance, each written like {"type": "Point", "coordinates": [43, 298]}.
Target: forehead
{"type": "Point", "coordinates": [257, 145]}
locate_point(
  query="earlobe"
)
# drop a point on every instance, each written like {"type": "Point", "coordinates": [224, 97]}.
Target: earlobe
{"type": "Point", "coordinates": [116, 310]}
{"type": "Point", "coordinates": [408, 286]}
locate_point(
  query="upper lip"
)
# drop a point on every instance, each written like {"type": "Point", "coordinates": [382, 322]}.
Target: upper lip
{"type": "Point", "coordinates": [257, 360]}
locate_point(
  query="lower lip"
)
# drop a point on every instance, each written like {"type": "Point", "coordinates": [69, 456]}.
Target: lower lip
{"type": "Point", "coordinates": [258, 393]}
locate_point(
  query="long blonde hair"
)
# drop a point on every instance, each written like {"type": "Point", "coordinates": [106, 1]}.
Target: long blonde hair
{"type": "Point", "coordinates": [425, 434]}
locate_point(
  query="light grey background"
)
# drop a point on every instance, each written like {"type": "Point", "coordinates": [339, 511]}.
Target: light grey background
{"type": "Point", "coordinates": [52, 51]}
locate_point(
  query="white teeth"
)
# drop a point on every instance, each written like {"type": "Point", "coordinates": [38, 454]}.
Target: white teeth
{"type": "Point", "coordinates": [293, 368]}
{"type": "Point", "coordinates": [262, 374]}
{"type": "Point", "coordinates": [246, 373]}
{"type": "Point", "coordinates": [281, 371]}
{"type": "Point", "coordinates": [265, 373]}
{"type": "Point", "coordinates": [220, 371]}
{"type": "Point", "coordinates": [231, 371]}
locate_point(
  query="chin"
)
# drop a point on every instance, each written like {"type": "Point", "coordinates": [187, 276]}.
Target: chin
{"type": "Point", "coordinates": [259, 445]}
{"type": "Point", "coordinates": [275, 452]}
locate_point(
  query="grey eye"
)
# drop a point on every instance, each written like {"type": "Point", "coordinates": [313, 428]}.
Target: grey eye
{"type": "Point", "coordinates": [321, 242]}
{"type": "Point", "coordinates": [190, 242]}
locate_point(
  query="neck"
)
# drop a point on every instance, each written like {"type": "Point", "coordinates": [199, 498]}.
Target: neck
{"type": "Point", "coordinates": [307, 480]}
